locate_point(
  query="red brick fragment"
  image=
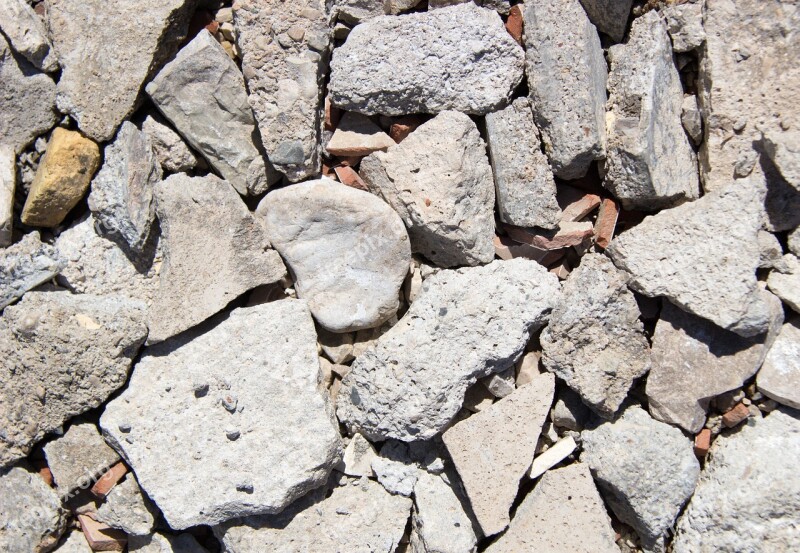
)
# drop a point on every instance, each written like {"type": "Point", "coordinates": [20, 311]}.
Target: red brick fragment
{"type": "Point", "coordinates": [101, 537]}
{"type": "Point", "coordinates": [702, 442]}
{"type": "Point", "coordinates": [44, 471]}
{"type": "Point", "coordinates": [514, 23]}
{"type": "Point", "coordinates": [580, 208]}
{"type": "Point", "coordinates": [347, 175]}
{"type": "Point", "coordinates": [404, 126]}
{"type": "Point", "coordinates": [332, 115]}
{"type": "Point", "coordinates": [106, 482]}
{"type": "Point", "coordinates": [568, 234]}
{"type": "Point", "coordinates": [735, 415]}
{"type": "Point", "coordinates": [505, 248]}
{"type": "Point", "coordinates": [606, 222]}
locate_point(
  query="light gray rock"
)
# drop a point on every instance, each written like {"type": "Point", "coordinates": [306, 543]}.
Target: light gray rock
{"type": "Point", "coordinates": [397, 6]}
{"type": "Point", "coordinates": [609, 16]}
{"type": "Point", "coordinates": [357, 458]}
{"type": "Point", "coordinates": [695, 360]}
{"type": "Point", "coordinates": [784, 281]}
{"type": "Point", "coordinates": [412, 381]}
{"type": "Point", "coordinates": [25, 30]}
{"type": "Point", "coordinates": [439, 523]}
{"type": "Point", "coordinates": [779, 378]}
{"type": "Point", "coordinates": [78, 458]}
{"type": "Point", "coordinates": [214, 251]}
{"type": "Point", "coordinates": [770, 251]}
{"type": "Point", "coordinates": [106, 55]}
{"type": "Point", "coordinates": [794, 241]}
{"type": "Point", "coordinates": [692, 239]}
{"type": "Point", "coordinates": [748, 497]}
{"type": "Point", "coordinates": [569, 411]}
{"type": "Point", "coordinates": [691, 118]}
{"type": "Point", "coordinates": [250, 433]}
{"type": "Point", "coordinates": [650, 164]}
{"type": "Point", "coordinates": [164, 543]}
{"type": "Point", "coordinates": [75, 543]}
{"type": "Point", "coordinates": [621, 452]}
{"type": "Point", "coordinates": [595, 341]}
{"type": "Point", "coordinates": [61, 355]}
{"type": "Point", "coordinates": [354, 12]}
{"type": "Point", "coordinates": [685, 25]}
{"type": "Point", "coordinates": [458, 58]}
{"type": "Point", "coordinates": [501, 6]}
{"type": "Point", "coordinates": [30, 513]}
{"type": "Point", "coordinates": [397, 476]}
{"type": "Point", "coordinates": [357, 135]}
{"type": "Point", "coordinates": [784, 152]}
{"type": "Point", "coordinates": [526, 191]}
{"type": "Point", "coordinates": [26, 265]}
{"type": "Point", "coordinates": [440, 182]}
{"type": "Point", "coordinates": [338, 347]}
{"type": "Point", "coordinates": [8, 183]}
{"type": "Point", "coordinates": [348, 251]}
{"type": "Point", "coordinates": [501, 384]}
{"type": "Point", "coordinates": [171, 151]}
{"type": "Point", "coordinates": [126, 508]}
{"type": "Point", "coordinates": [202, 93]}
{"type": "Point", "coordinates": [122, 191]}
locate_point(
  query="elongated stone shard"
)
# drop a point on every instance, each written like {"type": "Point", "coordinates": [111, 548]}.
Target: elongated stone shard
{"type": "Point", "coordinates": [30, 513]}
{"type": "Point", "coordinates": [440, 523]}
{"type": "Point", "coordinates": [26, 265]}
{"type": "Point", "coordinates": [25, 30]}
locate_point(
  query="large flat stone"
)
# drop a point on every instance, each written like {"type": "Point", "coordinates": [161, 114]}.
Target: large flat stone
{"type": "Point", "coordinates": [779, 377]}
{"type": "Point", "coordinates": [609, 16]}
{"type": "Point", "coordinates": [126, 508]}
{"type": "Point", "coordinates": [30, 513]}
{"type": "Point", "coordinates": [78, 458]}
{"type": "Point", "coordinates": [8, 184]}
{"type": "Point", "coordinates": [440, 523]}
{"type": "Point", "coordinates": [25, 30]}
{"type": "Point", "coordinates": [784, 281]}
{"type": "Point", "coordinates": [26, 265]}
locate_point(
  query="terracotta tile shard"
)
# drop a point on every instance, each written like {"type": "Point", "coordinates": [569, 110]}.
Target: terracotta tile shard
{"type": "Point", "coordinates": [514, 23]}
{"type": "Point", "coordinates": [332, 116]}
{"type": "Point", "coordinates": [404, 126]}
{"type": "Point", "coordinates": [580, 208]}
{"type": "Point", "coordinates": [606, 222]}
{"type": "Point", "coordinates": [348, 176]}
{"type": "Point", "coordinates": [561, 270]}
{"type": "Point", "coordinates": [735, 415]}
{"type": "Point", "coordinates": [101, 537]}
{"type": "Point", "coordinates": [505, 248]}
{"type": "Point", "coordinates": [568, 234]}
{"type": "Point", "coordinates": [357, 135]}
{"type": "Point", "coordinates": [702, 442]}
{"type": "Point", "coordinates": [47, 476]}
{"type": "Point", "coordinates": [106, 482]}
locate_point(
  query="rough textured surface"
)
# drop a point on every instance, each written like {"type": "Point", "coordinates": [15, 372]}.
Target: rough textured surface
{"type": "Point", "coordinates": [779, 378]}
{"type": "Point", "coordinates": [794, 241]}
{"type": "Point", "coordinates": [164, 543]}
{"type": "Point", "coordinates": [501, 6]}
{"type": "Point", "coordinates": [646, 470]}
{"type": "Point", "coordinates": [691, 118]}
{"type": "Point", "coordinates": [440, 182]}
{"type": "Point", "coordinates": [357, 135]}
{"type": "Point", "coordinates": [526, 191]}
{"type": "Point", "coordinates": [784, 152]}
{"type": "Point", "coordinates": [609, 16]}
{"type": "Point", "coordinates": [439, 523]}
{"type": "Point", "coordinates": [126, 508]}
{"type": "Point", "coordinates": [650, 164]}
{"type": "Point", "coordinates": [61, 355]}
{"type": "Point", "coordinates": [171, 151]}
{"type": "Point", "coordinates": [348, 251]}
{"type": "Point", "coordinates": [685, 25]}
{"type": "Point", "coordinates": [784, 281]}
{"type": "Point", "coordinates": [748, 497]}
{"type": "Point", "coordinates": [8, 184]}
{"type": "Point", "coordinates": [202, 219]}
{"type": "Point", "coordinates": [492, 450]}
{"type": "Point", "coordinates": [284, 57]}
{"type": "Point", "coordinates": [770, 250]}
{"type": "Point", "coordinates": [25, 30]}
{"type": "Point", "coordinates": [459, 58]}
{"type": "Point", "coordinates": [78, 457]}
{"type": "Point", "coordinates": [692, 238]}
{"type": "Point", "coordinates": [595, 341]}
{"type": "Point", "coordinates": [127, 48]}
{"type": "Point", "coordinates": [202, 94]}
{"type": "Point", "coordinates": [250, 432]}
{"type": "Point", "coordinates": [75, 543]}
{"type": "Point", "coordinates": [563, 54]}
{"type": "Point", "coordinates": [26, 265]}
{"type": "Point", "coordinates": [357, 458]}
{"type": "Point", "coordinates": [465, 325]}
{"type": "Point", "coordinates": [31, 518]}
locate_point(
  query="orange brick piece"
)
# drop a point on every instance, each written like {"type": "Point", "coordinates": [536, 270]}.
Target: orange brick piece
{"type": "Point", "coordinates": [347, 175]}
{"type": "Point", "coordinates": [106, 482]}
{"type": "Point", "coordinates": [606, 222]}
{"type": "Point", "coordinates": [702, 442]}
{"type": "Point", "coordinates": [102, 537]}
{"type": "Point", "coordinates": [404, 126]}
{"type": "Point", "coordinates": [514, 23]}
{"type": "Point", "coordinates": [579, 209]}
{"type": "Point", "coordinates": [735, 415]}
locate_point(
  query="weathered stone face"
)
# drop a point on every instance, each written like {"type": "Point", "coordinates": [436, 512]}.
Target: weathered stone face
{"type": "Point", "coordinates": [27, 34]}
{"type": "Point", "coordinates": [26, 265]}
{"type": "Point", "coordinates": [30, 513]}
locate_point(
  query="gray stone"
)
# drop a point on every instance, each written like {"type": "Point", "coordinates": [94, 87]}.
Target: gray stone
{"type": "Point", "coordinates": [440, 182]}
{"type": "Point", "coordinates": [692, 239]}
{"type": "Point", "coordinates": [685, 25]}
{"type": "Point", "coordinates": [458, 58]}
{"type": "Point", "coordinates": [261, 384]}
{"type": "Point", "coordinates": [411, 382]}
{"type": "Point", "coordinates": [357, 458]}
{"type": "Point", "coordinates": [439, 523]}
{"type": "Point", "coordinates": [25, 30]}
{"type": "Point", "coordinates": [770, 251]}
{"type": "Point", "coordinates": [164, 543]}
{"type": "Point", "coordinates": [26, 265]}
{"type": "Point", "coordinates": [621, 452]}
{"type": "Point", "coordinates": [338, 347]}
{"type": "Point", "coordinates": [784, 281]}
{"type": "Point", "coordinates": [30, 513]}
{"type": "Point", "coordinates": [8, 183]}
{"type": "Point", "coordinates": [779, 378]}
{"type": "Point", "coordinates": [348, 251]}
{"type": "Point", "coordinates": [201, 92]}
{"type": "Point", "coordinates": [501, 6]}
{"type": "Point", "coordinates": [126, 508]}
{"type": "Point", "coordinates": [354, 12]}
{"type": "Point", "coordinates": [75, 543]}
{"type": "Point", "coordinates": [691, 118]}
{"type": "Point", "coordinates": [567, 80]}
{"type": "Point", "coordinates": [78, 458]}
{"type": "Point", "coordinates": [526, 191]}
{"type": "Point", "coordinates": [214, 251]}
{"type": "Point", "coordinates": [357, 135]}
{"type": "Point", "coordinates": [396, 476]}
{"type": "Point", "coordinates": [794, 241]}
{"type": "Point", "coordinates": [501, 384]}
{"type": "Point", "coordinates": [595, 341]}
{"type": "Point", "coordinates": [397, 6]}
{"type": "Point", "coordinates": [784, 151]}
{"type": "Point", "coordinates": [171, 151]}
{"type": "Point", "coordinates": [748, 497]}
{"type": "Point", "coordinates": [284, 58]}
{"type": "Point", "coordinates": [609, 16]}
{"type": "Point", "coordinates": [569, 411]}
{"type": "Point", "coordinates": [61, 355]}
{"type": "Point", "coordinates": [106, 55]}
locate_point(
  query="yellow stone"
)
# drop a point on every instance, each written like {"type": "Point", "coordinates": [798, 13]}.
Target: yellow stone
{"type": "Point", "coordinates": [62, 179]}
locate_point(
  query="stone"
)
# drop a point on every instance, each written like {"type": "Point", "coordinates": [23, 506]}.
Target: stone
{"type": "Point", "coordinates": [784, 281]}
{"type": "Point", "coordinates": [61, 355]}
{"type": "Point", "coordinates": [595, 341]}
{"type": "Point", "coordinates": [262, 384]}
{"type": "Point", "coordinates": [439, 523]}
{"type": "Point", "coordinates": [650, 164]}
{"type": "Point", "coordinates": [122, 192]}
{"type": "Point", "coordinates": [501, 6]}
{"type": "Point", "coordinates": [564, 512]}
{"type": "Point", "coordinates": [397, 6]}
{"type": "Point", "coordinates": [563, 53]}
{"type": "Point", "coordinates": [348, 251]}
{"type": "Point", "coordinates": [500, 384]}
{"type": "Point", "coordinates": [609, 16]}
{"type": "Point", "coordinates": [127, 48]}
{"type": "Point", "coordinates": [693, 237]}
{"type": "Point", "coordinates": [338, 347]}
{"type": "Point", "coordinates": [526, 191]}
{"type": "Point", "coordinates": [412, 393]}
{"type": "Point", "coordinates": [127, 509]}
{"type": "Point", "coordinates": [75, 543]}
{"type": "Point", "coordinates": [779, 377]}
{"type": "Point", "coordinates": [164, 543]}
{"type": "Point", "coordinates": [458, 58]}
{"type": "Point", "coordinates": [685, 25]}
{"type": "Point", "coordinates": [30, 513]}
{"type": "Point", "coordinates": [493, 449]}
{"type": "Point", "coordinates": [354, 12]}
{"type": "Point", "coordinates": [357, 135]}
{"type": "Point", "coordinates": [569, 412]}
{"type": "Point", "coordinates": [396, 476]}
{"type": "Point", "coordinates": [749, 473]}
{"type": "Point", "coordinates": [171, 151]}
{"type": "Point", "coordinates": [569, 233]}
{"type": "Point", "coordinates": [202, 93]}
{"type": "Point", "coordinates": [784, 153]}
{"type": "Point", "coordinates": [25, 30]}
{"type": "Point", "coordinates": [580, 207]}
{"type": "Point", "coordinates": [770, 251]}
{"type": "Point", "coordinates": [606, 222]}
{"type": "Point", "coordinates": [25, 265]}
{"type": "Point", "coordinates": [440, 182]}
{"type": "Point", "coordinates": [284, 58]}
{"type": "Point", "coordinates": [101, 537]}
{"type": "Point", "coordinates": [552, 456]}
{"type": "Point", "coordinates": [695, 360]}
{"type": "Point", "coordinates": [794, 241]}
{"type": "Point", "coordinates": [358, 457]}
{"type": "Point", "coordinates": [79, 457]}
{"type": "Point", "coordinates": [203, 219]}
{"type": "Point", "coordinates": [8, 184]}
{"type": "Point", "coordinates": [620, 452]}
{"type": "Point", "coordinates": [691, 118]}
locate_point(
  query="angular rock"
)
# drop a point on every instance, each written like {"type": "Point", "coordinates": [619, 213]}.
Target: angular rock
{"type": "Point", "coordinates": [569, 411]}
{"type": "Point", "coordinates": [75, 543]}
{"type": "Point", "coordinates": [8, 183]}
{"type": "Point", "coordinates": [595, 341]}
{"type": "Point", "coordinates": [440, 182]}
{"type": "Point", "coordinates": [27, 35]}
{"type": "Point", "coordinates": [101, 537]}
{"type": "Point", "coordinates": [770, 251]}
{"type": "Point", "coordinates": [751, 478]}
{"type": "Point", "coordinates": [552, 456]}
{"type": "Point", "coordinates": [779, 378]}
{"type": "Point", "coordinates": [501, 6]}
{"type": "Point", "coordinates": [26, 265]}
{"type": "Point", "coordinates": [30, 513]}
{"type": "Point", "coordinates": [203, 220]}
{"type": "Point", "coordinates": [458, 58]}
{"type": "Point", "coordinates": [349, 251]}
{"type": "Point", "coordinates": [79, 457]}
{"type": "Point", "coordinates": [357, 135]}
{"type": "Point", "coordinates": [164, 543]}
{"type": "Point", "coordinates": [102, 75]}
{"type": "Point", "coordinates": [412, 381]}
{"type": "Point", "coordinates": [127, 509]}
{"type": "Point", "coordinates": [358, 457]}
{"type": "Point", "coordinates": [201, 92]}
{"type": "Point", "coordinates": [784, 152]}
{"type": "Point", "coordinates": [563, 53]}
{"type": "Point", "coordinates": [650, 164]}
{"type": "Point", "coordinates": [354, 12]}
{"type": "Point", "coordinates": [439, 523]}
{"type": "Point", "coordinates": [493, 449]}
{"type": "Point", "coordinates": [397, 6]}
{"type": "Point", "coordinates": [794, 241]}
{"type": "Point", "coordinates": [171, 151]}
{"type": "Point", "coordinates": [526, 191]}
{"type": "Point", "coordinates": [692, 238]}
{"type": "Point", "coordinates": [606, 222]}
{"type": "Point", "coordinates": [609, 16]}
{"type": "Point", "coordinates": [685, 25]}
{"type": "Point", "coordinates": [500, 384]}
{"type": "Point", "coordinates": [691, 118]}
{"type": "Point", "coordinates": [784, 281]}
{"type": "Point", "coordinates": [620, 452]}
{"type": "Point", "coordinates": [397, 476]}
{"type": "Point", "coordinates": [241, 406]}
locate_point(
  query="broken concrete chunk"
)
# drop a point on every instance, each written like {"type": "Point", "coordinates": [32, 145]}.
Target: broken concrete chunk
{"type": "Point", "coordinates": [75, 543]}
{"type": "Point", "coordinates": [770, 250]}
{"type": "Point", "coordinates": [685, 25]}
{"type": "Point", "coordinates": [784, 281]}
{"type": "Point", "coordinates": [354, 12]}
{"type": "Point", "coordinates": [357, 135]}
{"type": "Point", "coordinates": [396, 476]}
{"type": "Point", "coordinates": [458, 58]}
{"type": "Point", "coordinates": [348, 251]}
{"type": "Point", "coordinates": [250, 432]}
{"type": "Point", "coordinates": [358, 457]}
{"type": "Point", "coordinates": [79, 457]}
{"type": "Point", "coordinates": [569, 411]}
{"type": "Point", "coordinates": [609, 16]}
{"type": "Point", "coordinates": [552, 456]}
{"type": "Point", "coordinates": [171, 151]}
{"type": "Point", "coordinates": [397, 6]}
{"type": "Point", "coordinates": [439, 523]}
{"type": "Point", "coordinates": [794, 241]}
{"type": "Point", "coordinates": [25, 30]}
{"type": "Point", "coordinates": [784, 152]}
{"type": "Point", "coordinates": [30, 513]}
{"type": "Point", "coordinates": [779, 378]}
{"type": "Point", "coordinates": [338, 347]}
{"type": "Point", "coordinates": [500, 384]}
{"type": "Point", "coordinates": [411, 393]}
{"type": "Point", "coordinates": [26, 265]}
{"type": "Point", "coordinates": [164, 543]}
{"type": "Point", "coordinates": [440, 182]}
{"type": "Point", "coordinates": [501, 6]}
{"type": "Point", "coordinates": [127, 509]}
{"type": "Point", "coordinates": [564, 54]}
{"type": "Point", "coordinates": [8, 184]}
{"type": "Point", "coordinates": [691, 118]}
